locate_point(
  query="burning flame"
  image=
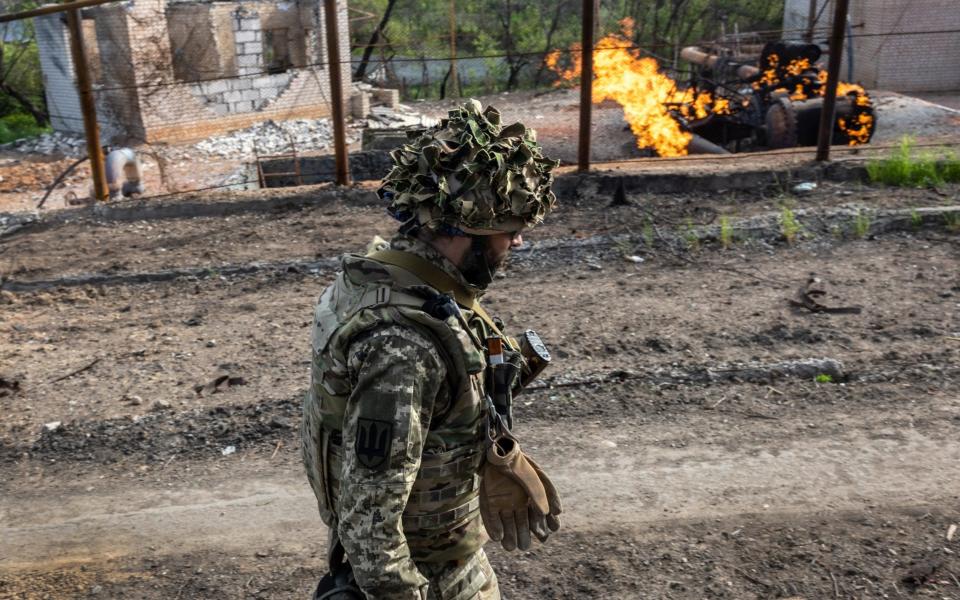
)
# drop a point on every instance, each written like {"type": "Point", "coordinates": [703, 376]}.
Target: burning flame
{"type": "Point", "coordinates": [645, 93]}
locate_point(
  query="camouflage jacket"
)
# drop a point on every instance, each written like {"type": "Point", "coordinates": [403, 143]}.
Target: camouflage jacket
{"type": "Point", "coordinates": [394, 422]}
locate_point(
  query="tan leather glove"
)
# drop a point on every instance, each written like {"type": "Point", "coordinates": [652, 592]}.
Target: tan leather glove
{"type": "Point", "coordinates": [542, 525]}
{"type": "Point", "coordinates": [514, 500]}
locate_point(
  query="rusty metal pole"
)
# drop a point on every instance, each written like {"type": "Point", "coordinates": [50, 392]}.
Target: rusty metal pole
{"type": "Point", "coordinates": [336, 93]}
{"type": "Point", "coordinates": [828, 114]}
{"type": "Point", "coordinates": [586, 85]}
{"type": "Point", "coordinates": [87, 106]}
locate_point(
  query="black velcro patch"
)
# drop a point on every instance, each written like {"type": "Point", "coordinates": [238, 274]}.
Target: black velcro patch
{"type": "Point", "coordinates": [374, 439]}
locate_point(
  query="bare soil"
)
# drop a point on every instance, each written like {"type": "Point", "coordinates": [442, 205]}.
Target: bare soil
{"type": "Point", "coordinates": [153, 486]}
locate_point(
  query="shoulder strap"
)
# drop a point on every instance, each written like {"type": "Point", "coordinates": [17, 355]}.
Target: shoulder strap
{"type": "Point", "coordinates": [436, 278]}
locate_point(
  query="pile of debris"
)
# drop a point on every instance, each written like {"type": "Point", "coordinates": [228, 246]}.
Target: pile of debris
{"type": "Point", "coordinates": [48, 144]}
{"type": "Point", "coordinates": [274, 137]}
{"type": "Point", "coordinates": [401, 117]}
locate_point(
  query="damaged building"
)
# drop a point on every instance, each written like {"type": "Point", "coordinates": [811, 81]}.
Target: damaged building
{"type": "Point", "coordinates": [892, 44]}
{"type": "Point", "coordinates": [176, 70]}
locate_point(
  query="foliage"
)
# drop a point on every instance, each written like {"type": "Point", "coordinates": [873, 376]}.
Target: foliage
{"type": "Point", "coordinates": [21, 81]}
{"type": "Point", "coordinates": [726, 232]}
{"type": "Point", "coordinates": [915, 219]}
{"type": "Point", "coordinates": [18, 125]}
{"type": "Point", "coordinates": [861, 224]}
{"type": "Point", "coordinates": [520, 33]}
{"type": "Point", "coordinates": [904, 168]}
{"type": "Point", "coordinates": [823, 378]}
{"type": "Point", "coordinates": [790, 227]}
{"type": "Point", "coordinates": [952, 221]}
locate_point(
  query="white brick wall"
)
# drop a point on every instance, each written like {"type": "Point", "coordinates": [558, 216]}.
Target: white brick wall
{"type": "Point", "coordinates": [903, 63]}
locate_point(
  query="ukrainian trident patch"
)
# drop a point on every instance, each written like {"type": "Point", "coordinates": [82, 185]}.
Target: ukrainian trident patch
{"type": "Point", "coordinates": [373, 443]}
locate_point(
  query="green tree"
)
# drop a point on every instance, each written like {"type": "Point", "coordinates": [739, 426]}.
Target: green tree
{"type": "Point", "coordinates": [21, 82]}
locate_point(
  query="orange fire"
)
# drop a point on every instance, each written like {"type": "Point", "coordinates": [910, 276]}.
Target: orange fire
{"type": "Point", "coordinates": [644, 92]}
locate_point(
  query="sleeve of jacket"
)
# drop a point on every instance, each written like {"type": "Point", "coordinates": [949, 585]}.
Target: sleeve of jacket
{"type": "Point", "coordinates": [396, 374]}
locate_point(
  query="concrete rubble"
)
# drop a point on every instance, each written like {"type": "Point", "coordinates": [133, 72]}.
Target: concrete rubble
{"type": "Point", "coordinates": [49, 143]}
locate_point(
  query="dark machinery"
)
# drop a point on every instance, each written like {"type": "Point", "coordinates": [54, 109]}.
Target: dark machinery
{"type": "Point", "coordinates": [776, 104]}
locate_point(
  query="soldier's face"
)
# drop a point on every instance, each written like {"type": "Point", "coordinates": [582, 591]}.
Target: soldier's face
{"type": "Point", "coordinates": [499, 246]}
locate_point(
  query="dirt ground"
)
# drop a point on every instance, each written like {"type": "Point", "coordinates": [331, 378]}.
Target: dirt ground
{"type": "Point", "coordinates": [683, 474]}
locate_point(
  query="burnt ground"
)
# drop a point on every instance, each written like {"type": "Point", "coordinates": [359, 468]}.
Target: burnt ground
{"type": "Point", "coordinates": [682, 476]}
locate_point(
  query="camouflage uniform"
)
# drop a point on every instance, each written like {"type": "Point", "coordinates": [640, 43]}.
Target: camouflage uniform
{"type": "Point", "coordinates": [394, 423]}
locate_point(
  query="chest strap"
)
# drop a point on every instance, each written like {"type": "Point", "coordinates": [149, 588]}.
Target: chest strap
{"type": "Point", "coordinates": [435, 278]}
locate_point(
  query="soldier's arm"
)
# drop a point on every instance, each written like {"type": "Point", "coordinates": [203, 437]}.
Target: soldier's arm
{"type": "Point", "coordinates": [397, 374]}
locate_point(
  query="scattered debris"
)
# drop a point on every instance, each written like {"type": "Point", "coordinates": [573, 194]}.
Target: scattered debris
{"type": "Point", "coordinates": [228, 450]}
{"type": "Point", "coordinates": [272, 137]}
{"type": "Point", "coordinates": [160, 405]}
{"type": "Point", "coordinates": [49, 143]}
{"type": "Point", "coordinates": [52, 426]}
{"type": "Point", "coordinates": [78, 371]}
{"type": "Point", "coordinates": [951, 531]}
{"type": "Point", "coordinates": [810, 294]}
{"type": "Point", "coordinates": [214, 385]}
{"type": "Point", "coordinates": [8, 386]}
{"type": "Point", "coordinates": [634, 258]}
{"type": "Point", "coordinates": [804, 188]}
{"type": "Point", "coordinates": [921, 572]}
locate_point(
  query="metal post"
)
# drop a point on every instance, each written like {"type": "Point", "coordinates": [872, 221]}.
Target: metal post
{"type": "Point", "coordinates": [336, 92]}
{"type": "Point", "coordinates": [811, 21]}
{"type": "Point", "coordinates": [87, 106]}
{"type": "Point", "coordinates": [586, 86]}
{"type": "Point", "coordinates": [828, 114]}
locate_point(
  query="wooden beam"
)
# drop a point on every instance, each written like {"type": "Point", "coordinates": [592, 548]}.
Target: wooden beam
{"type": "Point", "coordinates": [336, 92]}
{"type": "Point", "coordinates": [87, 106]}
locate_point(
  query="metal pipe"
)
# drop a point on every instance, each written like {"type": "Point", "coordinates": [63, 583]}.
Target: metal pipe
{"type": "Point", "coordinates": [701, 145]}
{"type": "Point", "coordinates": [586, 85]}
{"type": "Point", "coordinates": [811, 21]}
{"type": "Point", "coordinates": [87, 105]}
{"type": "Point", "coordinates": [52, 8]}
{"type": "Point", "coordinates": [827, 117]}
{"type": "Point", "coordinates": [336, 92]}
{"type": "Point", "coordinates": [699, 57]}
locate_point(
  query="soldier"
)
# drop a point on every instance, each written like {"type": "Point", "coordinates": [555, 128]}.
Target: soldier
{"type": "Point", "coordinates": [404, 431]}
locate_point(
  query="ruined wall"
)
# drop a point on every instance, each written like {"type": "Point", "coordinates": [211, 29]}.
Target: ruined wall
{"type": "Point", "coordinates": [63, 101]}
{"type": "Point", "coordinates": [184, 71]}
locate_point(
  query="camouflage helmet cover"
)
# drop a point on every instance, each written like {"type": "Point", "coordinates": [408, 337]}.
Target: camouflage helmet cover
{"type": "Point", "coordinates": [472, 174]}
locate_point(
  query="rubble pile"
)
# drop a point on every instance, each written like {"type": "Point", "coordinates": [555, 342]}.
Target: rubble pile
{"type": "Point", "coordinates": [273, 137]}
{"type": "Point", "coordinates": [49, 143]}
{"type": "Point", "coordinates": [401, 117]}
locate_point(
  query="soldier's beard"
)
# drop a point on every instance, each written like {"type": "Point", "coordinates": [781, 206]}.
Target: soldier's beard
{"type": "Point", "coordinates": [481, 262]}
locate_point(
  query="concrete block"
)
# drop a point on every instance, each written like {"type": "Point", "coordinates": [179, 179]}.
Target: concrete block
{"type": "Point", "coordinates": [214, 87]}
{"type": "Point", "coordinates": [251, 95]}
{"type": "Point", "coordinates": [246, 36]}
{"type": "Point", "coordinates": [234, 96]}
{"type": "Point", "coordinates": [250, 24]}
{"type": "Point", "coordinates": [220, 108]}
{"type": "Point", "coordinates": [390, 98]}
{"type": "Point", "coordinates": [248, 60]}
{"type": "Point", "coordinates": [252, 48]}
{"type": "Point", "coordinates": [269, 92]}
{"type": "Point", "coordinates": [360, 105]}
{"type": "Point", "coordinates": [263, 82]}
{"type": "Point", "coordinates": [240, 84]}
{"type": "Point", "coordinates": [241, 107]}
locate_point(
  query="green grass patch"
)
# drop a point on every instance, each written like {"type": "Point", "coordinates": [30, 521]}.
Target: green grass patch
{"type": "Point", "coordinates": [790, 227]}
{"type": "Point", "coordinates": [823, 378]}
{"type": "Point", "coordinates": [906, 168]}
{"type": "Point", "coordinates": [17, 126]}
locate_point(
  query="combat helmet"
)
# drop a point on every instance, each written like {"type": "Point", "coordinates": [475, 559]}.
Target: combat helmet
{"type": "Point", "coordinates": [471, 175]}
